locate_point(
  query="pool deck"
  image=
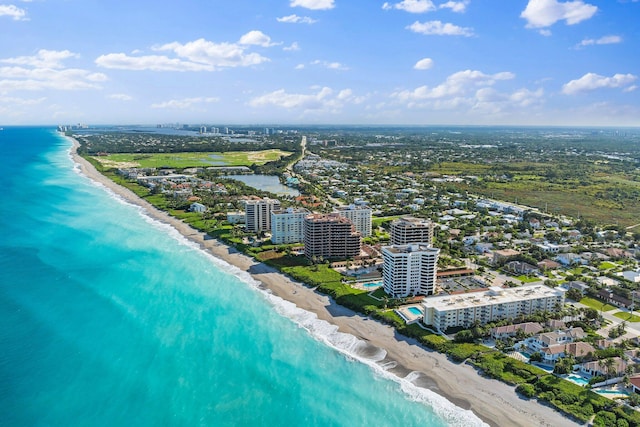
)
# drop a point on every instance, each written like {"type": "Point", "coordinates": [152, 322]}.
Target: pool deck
{"type": "Point", "coordinates": [407, 315]}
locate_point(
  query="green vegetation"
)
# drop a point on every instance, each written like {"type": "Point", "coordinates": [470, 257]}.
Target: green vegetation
{"type": "Point", "coordinates": [606, 265]}
{"type": "Point", "coordinates": [628, 317]}
{"type": "Point", "coordinates": [191, 159]}
{"type": "Point", "coordinates": [527, 279]}
{"type": "Point", "coordinates": [597, 304]}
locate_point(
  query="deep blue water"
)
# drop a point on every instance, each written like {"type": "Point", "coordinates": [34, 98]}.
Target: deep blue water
{"type": "Point", "coordinates": [108, 318]}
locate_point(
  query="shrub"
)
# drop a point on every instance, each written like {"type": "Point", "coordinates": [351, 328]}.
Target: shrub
{"type": "Point", "coordinates": [527, 390]}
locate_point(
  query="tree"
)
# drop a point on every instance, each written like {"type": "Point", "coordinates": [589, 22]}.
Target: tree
{"type": "Point", "coordinates": [573, 294]}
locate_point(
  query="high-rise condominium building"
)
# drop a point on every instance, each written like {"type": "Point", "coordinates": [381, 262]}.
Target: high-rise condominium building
{"type": "Point", "coordinates": [287, 225]}
{"type": "Point", "coordinates": [258, 214]}
{"type": "Point", "coordinates": [360, 216]}
{"type": "Point", "coordinates": [409, 270]}
{"type": "Point", "coordinates": [330, 236]}
{"type": "Point", "coordinates": [408, 229]}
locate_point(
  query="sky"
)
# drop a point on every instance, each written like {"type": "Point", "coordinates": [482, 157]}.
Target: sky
{"type": "Point", "coordinates": [369, 62]}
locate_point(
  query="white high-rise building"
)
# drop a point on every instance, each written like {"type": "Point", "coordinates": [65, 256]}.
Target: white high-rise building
{"type": "Point", "coordinates": [257, 214]}
{"type": "Point", "coordinates": [360, 217]}
{"type": "Point", "coordinates": [287, 226]}
{"type": "Point", "coordinates": [408, 229]}
{"type": "Point", "coordinates": [409, 270]}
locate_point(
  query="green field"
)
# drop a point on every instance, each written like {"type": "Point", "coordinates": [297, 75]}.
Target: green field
{"type": "Point", "coordinates": [185, 160]}
{"type": "Point", "coordinates": [598, 305]}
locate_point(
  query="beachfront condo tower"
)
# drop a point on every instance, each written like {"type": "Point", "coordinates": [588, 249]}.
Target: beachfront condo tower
{"type": "Point", "coordinates": [287, 225]}
{"type": "Point", "coordinates": [330, 236]}
{"type": "Point", "coordinates": [409, 270]}
{"type": "Point", "coordinates": [258, 214]}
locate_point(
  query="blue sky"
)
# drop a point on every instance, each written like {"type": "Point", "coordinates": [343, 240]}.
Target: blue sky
{"type": "Point", "coordinates": [466, 62]}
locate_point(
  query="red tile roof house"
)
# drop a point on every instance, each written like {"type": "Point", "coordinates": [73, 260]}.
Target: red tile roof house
{"type": "Point", "coordinates": [635, 383]}
{"type": "Point", "coordinates": [529, 328]}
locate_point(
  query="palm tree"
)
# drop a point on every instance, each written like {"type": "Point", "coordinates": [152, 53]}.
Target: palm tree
{"type": "Point", "coordinates": [609, 365]}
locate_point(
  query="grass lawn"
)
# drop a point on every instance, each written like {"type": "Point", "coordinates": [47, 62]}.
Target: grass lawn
{"type": "Point", "coordinates": [606, 265]}
{"type": "Point", "coordinates": [527, 279]}
{"type": "Point", "coordinates": [185, 160]}
{"type": "Point", "coordinates": [597, 304]}
{"type": "Point", "coordinates": [627, 316]}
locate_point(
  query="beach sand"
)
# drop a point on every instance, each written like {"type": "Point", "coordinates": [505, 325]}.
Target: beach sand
{"type": "Point", "coordinates": [494, 402]}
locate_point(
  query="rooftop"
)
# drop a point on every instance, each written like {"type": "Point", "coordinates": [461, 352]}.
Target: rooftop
{"type": "Point", "coordinates": [495, 295]}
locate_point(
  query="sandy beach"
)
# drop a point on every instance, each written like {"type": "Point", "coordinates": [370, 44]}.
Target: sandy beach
{"type": "Point", "coordinates": [494, 402]}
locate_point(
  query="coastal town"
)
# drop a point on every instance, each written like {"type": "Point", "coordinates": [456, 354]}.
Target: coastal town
{"type": "Point", "coordinates": [533, 296]}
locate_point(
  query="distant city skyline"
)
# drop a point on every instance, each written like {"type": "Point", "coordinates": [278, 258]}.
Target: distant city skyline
{"type": "Point", "coordinates": [409, 62]}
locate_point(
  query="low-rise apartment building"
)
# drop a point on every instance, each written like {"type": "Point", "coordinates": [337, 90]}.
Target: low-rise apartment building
{"type": "Point", "coordinates": [443, 312]}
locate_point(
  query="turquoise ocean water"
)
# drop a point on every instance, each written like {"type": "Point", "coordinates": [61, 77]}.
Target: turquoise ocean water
{"type": "Point", "coordinates": [108, 318]}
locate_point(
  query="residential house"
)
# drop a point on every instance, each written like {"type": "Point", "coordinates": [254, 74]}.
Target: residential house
{"type": "Point", "coordinates": [549, 339]}
{"type": "Point", "coordinates": [501, 256]}
{"type": "Point", "coordinates": [569, 258]}
{"type": "Point", "coordinates": [599, 367]}
{"type": "Point", "coordinates": [528, 328]}
{"type": "Point", "coordinates": [547, 264]}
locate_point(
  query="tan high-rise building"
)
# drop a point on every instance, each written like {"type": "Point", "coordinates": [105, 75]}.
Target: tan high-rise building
{"type": "Point", "coordinates": [408, 229]}
{"type": "Point", "coordinates": [330, 236]}
{"type": "Point", "coordinates": [258, 214]}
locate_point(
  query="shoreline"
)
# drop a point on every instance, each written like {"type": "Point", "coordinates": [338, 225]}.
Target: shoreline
{"type": "Point", "coordinates": [494, 402]}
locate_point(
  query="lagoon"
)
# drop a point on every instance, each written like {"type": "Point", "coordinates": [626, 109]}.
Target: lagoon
{"type": "Point", "coordinates": [270, 183]}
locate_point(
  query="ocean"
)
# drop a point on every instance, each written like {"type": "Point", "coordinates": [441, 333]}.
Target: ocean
{"type": "Point", "coordinates": [109, 318]}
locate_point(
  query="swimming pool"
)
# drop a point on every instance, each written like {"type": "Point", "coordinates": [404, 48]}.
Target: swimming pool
{"type": "Point", "coordinates": [621, 392]}
{"type": "Point", "coordinates": [577, 379]}
{"type": "Point", "coordinates": [415, 311]}
{"type": "Point", "coordinates": [372, 285]}
{"type": "Point", "coordinates": [525, 354]}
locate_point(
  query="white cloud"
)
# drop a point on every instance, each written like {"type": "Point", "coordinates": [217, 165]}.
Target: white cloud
{"type": "Point", "coordinates": [257, 38]}
{"type": "Point", "coordinates": [197, 55]}
{"type": "Point", "coordinates": [43, 59]}
{"type": "Point", "coordinates": [280, 98]}
{"type": "Point", "coordinates": [457, 84]}
{"type": "Point", "coordinates": [330, 65]}
{"type": "Point", "coordinates": [472, 93]}
{"type": "Point", "coordinates": [601, 40]}
{"type": "Point", "coordinates": [456, 6]}
{"type": "Point", "coordinates": [295, 19]}
{"type": "Point", "coordinates": [299, 67]}
{"type": "Point", "coordinates": [45, 70]}
{"type": "Point", "coordinates": [313, 4]}
{"type": "Point", "coordinates": [440, 29]}
{"type": "Point", "coordinates": [324, 100]}
{"type": "Point", "coordinates": [592, 81]}
{"type": "Point", "coordinates": [424, 64]}
{"type": "Point", "coordinates": [293, 47]}
{"type": "Point", "coordinates": [20, 101]}
{"type": "Point", "coordinates": [14, 12]}
{"type": "Point", "coordinates": [185, 103]}
{"type": "Point", "coordinates": [412, 6]}
{"type": "Point", "coordinates": [545, 13]}
{"type": "Point", "coordinates": [120, 97]}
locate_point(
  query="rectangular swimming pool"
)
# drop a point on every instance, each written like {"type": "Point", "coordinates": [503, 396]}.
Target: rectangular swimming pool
{"type": "Point", "coordinates": [415, 311]}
